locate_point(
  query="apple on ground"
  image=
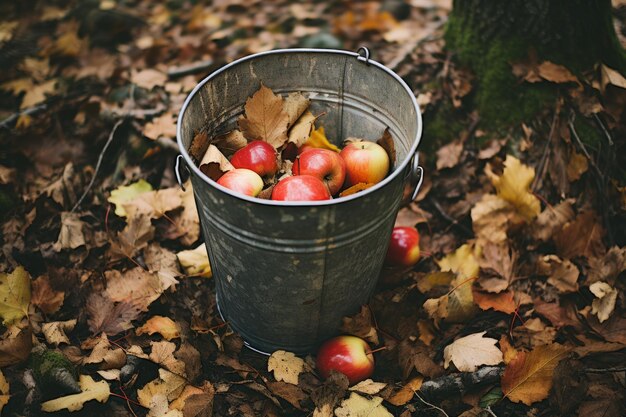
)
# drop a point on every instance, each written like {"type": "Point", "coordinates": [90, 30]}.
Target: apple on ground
{"type": "Point", "coordinates": [326, 165]}
{"type": "Point", "coordinates": [404, 249]}
{"type": "Point", "coordinates": [243, 181]}
{"type": "Point", "coordinates": [349, 355]}
{"type": "Point", "coordinates": [366, 162]}
{"type": "Point", "coordinates": [257, 156]}
{"type": "Point", "coordinates": [300, 188]}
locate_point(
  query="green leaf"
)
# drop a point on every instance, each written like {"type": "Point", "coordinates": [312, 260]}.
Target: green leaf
{"type": "Point", "coordinates": [124, 194]}
{"type": "Point", "coordinates": [490, 398]}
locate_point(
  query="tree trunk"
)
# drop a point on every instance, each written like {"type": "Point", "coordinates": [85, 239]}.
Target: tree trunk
{"type": "Point", "coordinates": [487, 35]}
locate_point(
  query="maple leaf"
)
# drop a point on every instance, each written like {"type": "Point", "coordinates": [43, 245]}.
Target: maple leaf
{"type": "Point", "coordinates": [154, 204]}
{"type": "Point", "coordinates": [406, 393]}
{"type": "Point", "coordinates": [514, 186]}
{"type": "Point", "coordinates": [37, 94]}
{"type": "Point", "coordinates": [54, 332]}
{"type": "Point", "coordinates": [43, 296]}
{"type": "Point", "coordinates": [126, 193]}
{"type": "Point", "coordinates": [195, 262]}
{"type": "Point", "coordinates": [604, 304]}
{"type": "Point", "coordinates": [165, 326]}
{"type": "Point", "coordinates": [318, 139]}
{"type": "Point", "coordinates": [4, 391]}
{"type": "Point", "coordinates": [358, 406]}
{"type": "Point", "coordinates": [528, 377]}
{"type": "Point", "coordinates": [472, 351]}
{"type": "Point", "coordinates": [286, 366]}
{"type": "Point", "coordinates": [14, 295]}
{"type": "Point", "coordinates": [265, 118]}
{"type": "Point", "coordinates": [91, 390]}
{"type": "Point", "coordinates": [108, 317]}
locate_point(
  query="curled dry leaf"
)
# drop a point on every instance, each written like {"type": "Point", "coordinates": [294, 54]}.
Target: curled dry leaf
{"type": "Point", "coordinates": [386, 141]}
{"type": "Point", "coordinates": [195, 262]}
{"type": "Point", "coordinates": [604, 303]}
{"type": "Point", "coordinates": [91, 390]}
{"type": "Point", "coordinates": [14, 295]}
{"type": "Point", "coordinates": [301, 130]}
{"type": "Point", "coordinates": [355, 189]}
{"type": "Point", "coordinates": [561, 273]}
{"type": "Point", "coordinates": [318, 139]}
{"type": "Point", "coordinates": [358, 406]}
{"type": "Point", "coordinates": [286, 366]}
{"type": "Point", "coordinates": [497, 265]}
{"type": "Point", "coordinates": [552, 219]}
{"type": "Point", "coordinates": [165, 326]}
{"type": "Point", "coordinates": [214, 164]}
{"type": "Point", "coordinates": [71, 234]}
{"type": "Point", "coordinates": [470, 352]}
{"type": "Point", "coordinates": [528, 377]}
{"type": "Point", "coordinates": [406, 393]}
{"type": "Point", "coordinates": [265, 118]}
{"type": "Point", "coordinates": [230, 142]}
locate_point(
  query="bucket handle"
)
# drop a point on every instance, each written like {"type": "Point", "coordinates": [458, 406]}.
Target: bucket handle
{"type": "Point", "coordinates": [416, 175]}
{"type": "Point", "coordinates": [366, 55]}
{"type": "Point", "coordinates": [181, 161]}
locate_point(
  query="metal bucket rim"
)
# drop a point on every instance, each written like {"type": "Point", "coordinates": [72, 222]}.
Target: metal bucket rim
{"type": "Point", "coordinates": [366, 61]}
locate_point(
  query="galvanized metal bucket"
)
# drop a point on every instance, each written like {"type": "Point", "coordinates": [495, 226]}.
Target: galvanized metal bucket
{"type": "Point", "coordinates": [287, 272]}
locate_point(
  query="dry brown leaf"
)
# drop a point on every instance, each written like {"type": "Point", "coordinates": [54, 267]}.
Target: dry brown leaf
{"type": "Point", "coordinates": [4, 391]}
{"type": "Point", "coordinates": [136, 286]}
{"type": "Point", "coordinates": [426, 330]}
{"type": "Point", "coordinates": [490, 218]}
{"type": "Point", "coordinates": [301, 130]}
{"type": "Point", "coordinates": [608, 267]}
{"type": "Point", "coordinates": [154, 204]}
{"type": "Point", "coordinates": [168, 385]}
{"type": "Point", "coordinates": [406, 393]}
{"type": "Point", "coordinates": [43, 296]}
{"type": "Point", "coordinates": [555, 73]}
{"type": "Point", "coordinates": [286, 366]}
{"type": "Point", "coordinates": [186, 224]}
{"type": "Point", "coordinates": [604, 303]}
{"type": "Point", "coordinates": [528, 377]}
{"type": "Point", "coordinates": [552, 219]}
{"type": "Point", "coordinates": [558, 316]}
{"type": "Point", "coordinates": [230, 142]}
{"type": "Point", "coordinates": [368, 387]}
{"type": "Point", "coordinates": [562, 274]}
{"type": "Point", "coordinates": [148, 78]}
{"type": "Point", "coordinates": [581, 237]}
{"type": "Point", "coordinates": [289, 392]}
{"type": "Point", "coordinates": [358, 406]}
{"type": "Point", "coordinates": [361, 325]}
{"type": "Point", "coordinates": [503, 301]}
{"type": "Point", "coordinates": [165, 326]}
{"type": "Point", "coordinates": [472, 351]}
{"type": "Point", "coordinates": [497, 263]}
{"type": "Point", "coordinates": [37, 94]}
{"type": "Point", "coordinates": [387, 143]}
{"type": "Point", "coordinates": [492, 148]}
{"type": "Point", "coordinates": [448, 156]}
{"type": "Point", "coordinates": [127, 193]}
{"type": "Point", "coordinates": [577, 165]}
{"type": "Point", "coordinates": [134, 237]}
{"type": "Point", "coordinates": [163, 262]}
{"type": "Point", "coordinates": [15, 344]}
{"type": "Point", "coordinates": [190, 356]}
{"type": "Point", "coordinates": [294, 105]}
{"type": "Point", "coordinates": [195, 262]}
{"type": "Point", "coordinates": [54, 332]}
{"type": "Point", "coordinates": [265, 118]}
{"type": "Point", "coordinates": [7, 175]}
{"type": "Point", "coordinates": [162, 353]}
{"type": "Point", "coordinates": [416, 356]}
{"type": "Point", "coordinates": [214, 164]}
{"type": "Point", "coordinates": [611, 76]}
{"type": "Point", "coordinates": [71, 235]}
{"type": "Point", "coordinates": [106, 355]}
{"type": "Point", "coordinates": [514, 186]}
{"type": "Point", "coordinates": [162, 126]}
{"type": "Point", "coordinates": [355, 189]}
{"type": "Point", "coordinates": [508, 351]}
{"type": "Point", "coordinates": [108, 317]}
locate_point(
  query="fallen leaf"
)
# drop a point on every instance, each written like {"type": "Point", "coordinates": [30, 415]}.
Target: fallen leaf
{"type": "Point", "coordinates": [148, 78]}
{"type": "Point", "coordinates": [528, 377]}
{"type": "Point", "coordinates": [104, 354]}
{"type": "Point", "coordinates": [108, 317]}
{"type": "Point", "coordinates": [71, 235]}
{"type": "Point", "coordinates": [37, 94]}
{"type": "Point", "coordinates": [503, 301]}
{"type": "Point", "coordinates": [289, 392]}
{"type": "Point", "coordinates": [368, 387]}
{"type": "Point", "coordinates": [91, 390]}
{"type": "Point", "coordinates": [214, 164]}
{"type": "Point", "coordinates": [416, 356]}
{"type": "Point", "coordinates": [195, 262]}
{"type": "Point", "coordinates": [301, 130]}
{"type": "Point", "coordinates": [200, 404]}
{"type": "Point", "coordinates": [230, 142]}
{"type": "Point", "coordinates": [327, 395]}
{"type": "Point", "coordinates": [286, 366]}
{"type": "Point", "coordinates": [426, 331]}
{"type": "Point", "coordinates": [136, 286]}
{"type": "Point", "coordinates": [188, 391]}
{"type": "Point", "coordinates": [14, 295]}
{"type": "Point", "coordinates": [162, 354]}
{"type": "Point", "coordinates": [406, 393]}
{"type": "Point", "coordinates": [608, 267]}
{"type": "Point", "coordinates": [127, 193]}
{"type": "Point", "coordinates": [318, 139]}
{"type": "Point", "coordinates": [4, 391]}
{"type": "Point", "coordinates": [492, 148]}
{"type": "Point", "coordinates": [561, 273]}
{"type": "Point", "coordinates": [435, 279]}
{"type": "Point", "coordinates": [552, 219]}
{"type": "Point", "coordinates": [497, 264]}
{"type": "Point", "coordinates": [470, 352]}
{"type": "Point", "coordinates": [163, 262]}
{"type": "Point", "coordinates": [604, 303]}
{"type": "Point", "coordinates": [162, 325]}
{"type": "Point", "coordinates": [558, 316]}
{"type": "Point", "coordinates": [190, 356]}
{"type": "Point", "coordinates": [361, 325]}
{"type": "Point", "coordinates": [265, 118]}
{"type": "Point", "coordinates": [462, 262]}
{"type": "Point", "coordinates": [387, 143]}
{"type": "Point", "coordinates": [358, 406]}
{"type": "Point", "coordinates": [514, 186]}
{"type": "Point", "coordinates": [577, 165]}
{"type": "Point", "coordinates": [604, 407]}
{"type": "Point", "coordinates": [508, 351]}
{"type": "Point", "coordinates": [68, 43]}
{"type": "Point", "coordinates": [611, 76]}
{"type": "Point", "coordinates": [555, 73]}
{"type": "Point", "coordinates": [448, 156]}
{"type": "Point", "coordinates": [355, 189]}
{"type": "Point", "coordinates": [7, 175]}
{"type": "Point", "coordinates": [168, 385]}
{"type": "Point", "coordinates": [154, 204]}
{"type": "Point", "coordinates": [133, 238]}
{"type": "Point", "coordinates": [162, 126]}
{"type": "Point", "coordinates": [186, 224]}
{"type": "Point", "coordinates": [15, 345]}
{"type": "Point", "coordinates": [490, 219]}
{"type": "Point", "coordinates": [580, 237]}
{"type": "Point", "coordinates": [54, 332]}
{"type": "Point", "coordinates": [294, 105]}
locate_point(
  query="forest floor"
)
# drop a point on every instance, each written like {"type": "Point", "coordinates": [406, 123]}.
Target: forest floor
{"type": "Point", "coordinates": [516, 307]}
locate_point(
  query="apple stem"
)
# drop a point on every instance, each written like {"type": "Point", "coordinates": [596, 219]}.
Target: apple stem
{"type": "Point", "coordinates": [378, 349]}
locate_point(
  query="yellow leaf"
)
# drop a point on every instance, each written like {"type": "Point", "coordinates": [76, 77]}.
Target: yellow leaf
{"type": "Point", "coordinates": [14, 295]}
{"type": "Point", "coordinates": [4, 391]}
{"type": "Point", "coordinates": [301, 130]}
{"type": "Point", "coordinates": [463, 262]}
{"type": "Point", "coordinates": [163, 325]}
{"type": "Point", "coordinates": [91, 390]}
{"type": "Point", "coordinates": [286, 366]}
{"type": "Point", "coordinates": [472, 351]}
{"type": "Point", "coordinates": [6, 30]}
{"type": "Point", "coordinates": [355, 189]}
{"type": "Point", "coordinates": [514, 186]}
{"type": "Point", "coordinates": [55, 331]}
{"type": "Point", "coordinates": [17, 86]}
{"type": "Point", "coordinates": [528, 377]}
{"type": "Point", "coordinates": [195, 261]}
{"type": "Point", "coordinates": [168, 385]}
{"type": "Point", "coordinates": [37, 94]}
{"type": "Point", "coordinates": [358, 406]}
{"type": "Point", "coordinates": [125, 194]}
{"type": "Point", "coordinates": [318, 140]}
{"type": "Point", "coordinates": [406, 393]}
{"type": "Point", "coordinates": [368, 387]}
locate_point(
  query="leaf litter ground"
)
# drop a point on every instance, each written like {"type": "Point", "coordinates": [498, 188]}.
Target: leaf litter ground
{"type": "Point", "coordinates": [102, 266]}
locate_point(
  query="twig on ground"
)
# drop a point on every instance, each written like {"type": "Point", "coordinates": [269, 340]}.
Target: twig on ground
{"type": "Point", "coordinates": [29, 111]}
{"type": "Point", "coordinates": [583, 148]}
{"type": "Point", "coordinates": [461, 382]}
{"type": "Point", "coordinates": [192, 68]}
{"type": "Point", "coordinates": [488, 409]}
{"type": "Point", "coordinates": [430, 405]}
{"type": "Point", "coordinates": [603, 370]}
{"type": "Point", "coordinates": [542, 166]}
{"type": "Point", "coordinates": [100, 157]}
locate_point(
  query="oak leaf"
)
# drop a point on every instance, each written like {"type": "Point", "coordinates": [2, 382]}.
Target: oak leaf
{"type": "Point", "coordinates": [91, 390]}
{"type": "Point", "coordinates": [265, 118]}
{"type": "Point", "coordinates": [195, 262]}
{"type": "Point", "coordinates": [528, 377]}
{"type": "Point", "coordinates": [358, 406]}
{"type": "Point", "coordinates": [286, 366]}
{"type": "Point", "coordinates": [14, 295]}
{"type": "Point", "coordinates": [165, 326]}
{"type": "Point", "coordinates": [514, 186]}
{"type": "Point", "coordinates": [472, 351]}
{"type": "Point", "coordinates": [604, 303]}
{"type": "Point", "coordinates": [318, 139]}
{"type": "Point", "coordinates": [126, 193]}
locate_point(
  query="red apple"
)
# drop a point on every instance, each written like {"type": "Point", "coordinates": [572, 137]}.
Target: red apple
{"type": "Point", "coordinates": [404, 249]}
{"type": "Point", "coordinates": [349, 355]}
{"type": "Point", "coordinates": [326, 165]}
{"type": "Point", "coordinates": [366, 162]}
{"type": "Point", "coordinates": [243, 181]}
{"type": "Point", "coordinates": [300, 188]}
{"type": "Point", "coordinates": [257, 156]}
